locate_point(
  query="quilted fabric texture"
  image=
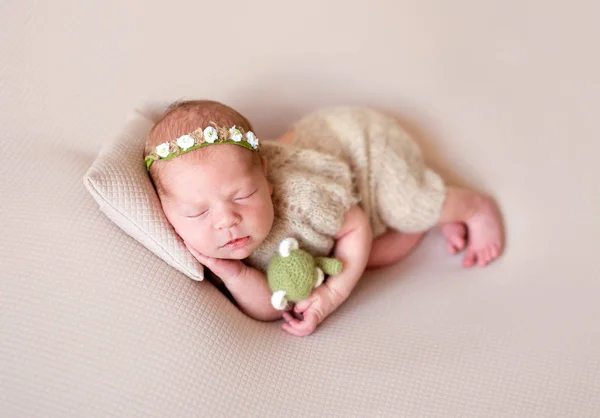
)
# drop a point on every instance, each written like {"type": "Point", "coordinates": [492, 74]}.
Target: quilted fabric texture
{"type": "Point", "coordinates": [119, 183]}
{"type": "Point", "coordinates": [93, 324]}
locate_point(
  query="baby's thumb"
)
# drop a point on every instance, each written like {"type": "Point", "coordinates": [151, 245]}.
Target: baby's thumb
{"type": "Point", "coordinates": [304, 304]}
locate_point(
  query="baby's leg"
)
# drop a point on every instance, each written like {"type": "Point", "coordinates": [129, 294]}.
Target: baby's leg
{"type": "Point", "coordinates": [391, 247]}
{"type": "Point", "coordinates": [483, 233]}
{"type": "Point", "coordinates": [411, 197]}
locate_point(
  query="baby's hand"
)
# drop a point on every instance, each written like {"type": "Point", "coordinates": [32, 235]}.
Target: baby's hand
{"type": "Point", "coordinates": [314, 309]}
{"type": "Point", "coordinates": [227, 270]}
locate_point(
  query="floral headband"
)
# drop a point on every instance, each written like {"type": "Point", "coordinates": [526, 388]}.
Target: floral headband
{"type": "Point", "coordinates": [212, 135]}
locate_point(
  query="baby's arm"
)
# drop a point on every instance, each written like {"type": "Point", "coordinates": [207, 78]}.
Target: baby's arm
{"type": "Point", "coordinates": [353, 247]}
{"type": "Point", "coordinates": [247, 285]}
{"type": "Point", "coordinates": [250, 290]}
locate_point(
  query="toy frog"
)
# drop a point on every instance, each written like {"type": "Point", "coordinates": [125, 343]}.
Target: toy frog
{"type": "Point", "coordinates": [293, 273]}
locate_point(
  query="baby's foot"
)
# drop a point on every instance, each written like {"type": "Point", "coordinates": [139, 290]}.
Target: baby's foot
{"type": "Point", "coordinates": [456, 236]}
{"type": "Point", "coordinates": [485, 239]}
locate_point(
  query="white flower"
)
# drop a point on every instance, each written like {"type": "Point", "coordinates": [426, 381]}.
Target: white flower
{"type": "Point", "coordinates": [210, 135]}
{"type": "Point", "coordinates": [163, 149]}
{"type": "Point", "coordinates": [185, 141]}
{"type": "Point", "coordinates": [235, 134]}
{"type": "Point", "coordinates": [252, 139]}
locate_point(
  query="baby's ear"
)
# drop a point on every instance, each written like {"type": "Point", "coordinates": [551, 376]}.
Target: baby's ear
{"type": "Point", "coordinates": [263, 163]}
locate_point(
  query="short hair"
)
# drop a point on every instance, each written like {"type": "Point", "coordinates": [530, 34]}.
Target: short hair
{"type": "Point", "coordinates": [183, 117]}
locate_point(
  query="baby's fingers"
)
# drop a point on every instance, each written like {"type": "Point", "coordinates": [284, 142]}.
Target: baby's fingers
{"type": "Point", "coordinates": [225, 269]}
{"type": "Point", "coordinates": [201, 258]}
{"type": "Point", "coordinates": [288, 317]}
{"type": "Point", "coordinates": [296, 331]}
{"type": "Point", "coordinates": [304, 327]}
{"type": "Point", "coordinates": [304, 304]}
{"type": "Point", "coordinates": [192, 250]}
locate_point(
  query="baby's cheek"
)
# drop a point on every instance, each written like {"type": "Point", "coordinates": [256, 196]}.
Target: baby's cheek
{"type": "Point", "coordinates": [264, 218]}
{"type": "Point", "coordinates": [189, 231]}
{"type": "Point", "coordinates": [202, 241]}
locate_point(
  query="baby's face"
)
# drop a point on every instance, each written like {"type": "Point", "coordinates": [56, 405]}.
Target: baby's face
{"type": "Point", "coordinates": [219, 204]}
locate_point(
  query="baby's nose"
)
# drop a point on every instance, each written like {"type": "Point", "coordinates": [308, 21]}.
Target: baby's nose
{"type": "Point", "coordinates": [228, 220]}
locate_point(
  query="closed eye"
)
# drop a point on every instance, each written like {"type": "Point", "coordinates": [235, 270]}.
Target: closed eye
{"type": "Point", "coordinates": [198, 215]}
{"type": "Point", "coordinates": [245, 197]}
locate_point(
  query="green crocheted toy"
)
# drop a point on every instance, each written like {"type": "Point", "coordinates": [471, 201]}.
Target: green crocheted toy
{"type": "Point", "coordinates": [293, 273]}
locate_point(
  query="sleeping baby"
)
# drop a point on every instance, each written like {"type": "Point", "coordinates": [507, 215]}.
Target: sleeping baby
{"type": "Point", "coordinates": [343, 181]}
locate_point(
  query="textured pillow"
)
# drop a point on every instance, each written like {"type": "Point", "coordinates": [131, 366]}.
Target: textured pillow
{"type": "Point", "coordinates": [118, 181]}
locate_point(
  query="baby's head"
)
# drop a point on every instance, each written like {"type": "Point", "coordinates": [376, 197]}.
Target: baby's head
{"type": "Point", "coordinates": [217, 197]}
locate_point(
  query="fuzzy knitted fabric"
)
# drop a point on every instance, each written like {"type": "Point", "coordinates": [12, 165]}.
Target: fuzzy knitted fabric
{"type": "Point", "coordinates": [296, 274]}
{"type": "Point", "coordinates": [311, 193]}
{"type": "Point", "coordinates": [339, 157]}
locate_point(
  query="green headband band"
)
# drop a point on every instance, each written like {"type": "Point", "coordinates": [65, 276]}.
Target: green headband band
{"type": "Point", "coordinates": [200, 138]}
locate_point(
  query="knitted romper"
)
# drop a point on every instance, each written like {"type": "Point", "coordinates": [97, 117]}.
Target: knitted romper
{"type": "Point", "coordinates": [340, 157]}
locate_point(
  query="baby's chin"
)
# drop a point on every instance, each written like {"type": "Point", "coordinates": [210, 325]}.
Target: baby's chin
{"type": "Point", "coordinates": [234, 257]}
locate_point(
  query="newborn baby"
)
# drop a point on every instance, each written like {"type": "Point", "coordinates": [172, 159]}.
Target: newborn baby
{"type": "Point", "coordinates": [343, 181]}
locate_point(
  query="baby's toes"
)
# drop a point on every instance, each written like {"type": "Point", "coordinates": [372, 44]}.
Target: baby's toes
{"type": "Point", "coordinates": [487, 255]}
{"type": "Point", "coordinates": [470, 258]}
{"type": "Point", "coordinates": [458, 242]}
{"type": "Point", "coordinates": [455, 235]}
{"type": "Point", "coordinates": [495, 251]}
{"type": "Point", "coordinates": [451, 248]}
{"type": "Point", "coordinates": [483, 257]}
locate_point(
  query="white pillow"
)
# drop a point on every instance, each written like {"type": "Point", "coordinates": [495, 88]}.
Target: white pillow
{"type": "Point", "coordinates": [118, 181]}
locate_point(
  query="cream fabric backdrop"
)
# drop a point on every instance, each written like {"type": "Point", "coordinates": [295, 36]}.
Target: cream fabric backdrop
{"type": "Point", "coordinates": [502, 94]}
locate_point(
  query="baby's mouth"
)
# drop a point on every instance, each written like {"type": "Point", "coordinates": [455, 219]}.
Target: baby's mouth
{"type": "Point", "coordinates": [237, 243]}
